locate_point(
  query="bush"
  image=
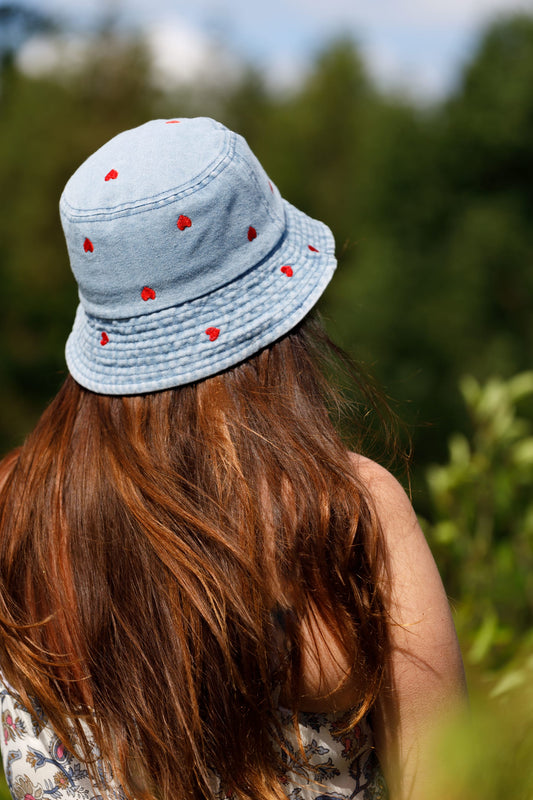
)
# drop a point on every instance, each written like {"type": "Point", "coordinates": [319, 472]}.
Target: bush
{"type": "Point", "coordinates": [481, 533]}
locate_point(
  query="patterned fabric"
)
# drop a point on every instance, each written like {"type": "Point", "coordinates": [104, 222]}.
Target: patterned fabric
{"type": "Point", "coordinates": [340, 766]}
{"type": "Point", "coordinates": [36, 763]}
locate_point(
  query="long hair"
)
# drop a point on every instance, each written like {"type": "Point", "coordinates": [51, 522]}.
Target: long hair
{"type": "Point", "coordinates": [159, 557]}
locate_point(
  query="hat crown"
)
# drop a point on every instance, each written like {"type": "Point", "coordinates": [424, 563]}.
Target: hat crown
{"type": "Point", "coordinates": [178, 207]}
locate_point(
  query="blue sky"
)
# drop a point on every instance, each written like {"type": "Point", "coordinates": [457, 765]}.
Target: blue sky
{"type": "Point", "coordinates": [419, 44]}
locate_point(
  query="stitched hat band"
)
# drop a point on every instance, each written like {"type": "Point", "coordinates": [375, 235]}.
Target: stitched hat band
{"type": "Point", "coordinates": [187, 258]}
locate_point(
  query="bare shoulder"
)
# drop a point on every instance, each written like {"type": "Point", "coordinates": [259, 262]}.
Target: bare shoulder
{"type": "Point", "coordinates": [426, 654]}
{"type": "Point", "coordinates": [389, 499]}
{"type": "Point", "coordinates": [382, 485]}
{"type": "Point", "coordinates": [426, 677]}
{"type": "Point", "coordinates": [416, 594]}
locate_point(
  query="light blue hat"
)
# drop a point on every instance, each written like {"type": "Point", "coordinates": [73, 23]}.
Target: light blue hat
{"type": "Point", "coordinates": [187, 259]}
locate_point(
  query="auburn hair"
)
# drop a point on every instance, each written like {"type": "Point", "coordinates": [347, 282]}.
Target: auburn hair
{"type": "Point", "coordinates": [158, 556]}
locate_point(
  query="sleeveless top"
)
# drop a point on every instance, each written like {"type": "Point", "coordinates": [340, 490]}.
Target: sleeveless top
{"type": "Point", "coordinates": [340, 766]}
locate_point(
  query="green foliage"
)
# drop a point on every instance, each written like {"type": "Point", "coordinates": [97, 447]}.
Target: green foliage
{"type": "Point", "coordinates": [488, 755]}
{"type": "Point", "coordinates": [48, 127]}
{"type": "Point", "coordinates": [481, 532]}
{"type": "Point", "coordinates": [482, 521]}
{"type": "Point", "coordinates": [492, 112]}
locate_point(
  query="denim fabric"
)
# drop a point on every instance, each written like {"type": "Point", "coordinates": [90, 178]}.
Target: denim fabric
{"type": "Point", "coordinates": [177, 240]}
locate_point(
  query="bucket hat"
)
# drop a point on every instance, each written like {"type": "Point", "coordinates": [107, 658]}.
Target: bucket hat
{"type": "Point", "coordinates": [187, 259]}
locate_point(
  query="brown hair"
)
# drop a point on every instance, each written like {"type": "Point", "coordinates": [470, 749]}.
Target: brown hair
{"type": "Point", "coordinates": [150, 547]}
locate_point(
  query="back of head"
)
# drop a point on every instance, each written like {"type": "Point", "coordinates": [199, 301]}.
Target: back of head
{"type": "Point", "coordinates": [186, 489]}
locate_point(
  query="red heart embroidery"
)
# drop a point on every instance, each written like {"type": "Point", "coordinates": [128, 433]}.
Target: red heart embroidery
{"type": "Point", "coordinates": [105, 338]}
{"type": "Point", "coordinates": [287, 270]}
{"type": "Point", "coordinates": [252, 233]}
{"type": "Point", "coordinates": [147, 293]}
{"type": "Point", "coordinates": [172, 121]}
{"type": "Point", "coordinates": [111, 175]}
{"type": "Point", "coordinates": [88, 246]}
{"type": "Point", "coordinates": [183, 222]}
{"type": "Point", "coordinates": [213, 333]}
{"type": "Point", "coordinates": [313, 249]}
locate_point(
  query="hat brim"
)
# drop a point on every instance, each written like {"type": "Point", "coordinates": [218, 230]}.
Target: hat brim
{"type": "Point", "coordinates": [199, 338]}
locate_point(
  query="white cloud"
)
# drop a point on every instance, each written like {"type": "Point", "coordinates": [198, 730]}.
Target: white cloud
{"type": "Point", "coordinates": [42, 54]}
{"type": "Point", "coordinates": [414, 78]}
{"type": "Point", "coordinates": [182, 54]}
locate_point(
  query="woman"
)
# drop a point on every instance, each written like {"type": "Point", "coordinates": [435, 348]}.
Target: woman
{"type": "Point", "coordinates": [203, 593]}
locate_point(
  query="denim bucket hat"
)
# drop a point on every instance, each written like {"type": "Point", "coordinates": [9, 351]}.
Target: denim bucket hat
{"type": "Point", "coordinates": [188, 260]}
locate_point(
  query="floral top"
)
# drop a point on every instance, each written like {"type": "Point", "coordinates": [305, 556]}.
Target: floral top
{"type": "Point", "coordinates": [340, 766]}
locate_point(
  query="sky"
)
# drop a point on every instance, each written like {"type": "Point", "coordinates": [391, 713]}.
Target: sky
{"type": "Point", "coordinates": [414, 45]}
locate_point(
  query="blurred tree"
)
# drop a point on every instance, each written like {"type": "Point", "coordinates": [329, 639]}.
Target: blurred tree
{"type": "Point", "coordinates": [314, 140]}
{"type": "Point", "coordinates": [441, 278]}
{"type": "Point", "coordinates": [49, 125]}
{"type": "Point", "coordinates": [487, 152]}
{"type": "Point", "coordinates": [490, 118]}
